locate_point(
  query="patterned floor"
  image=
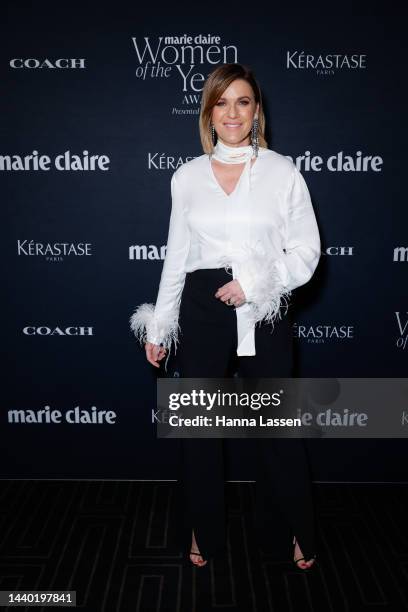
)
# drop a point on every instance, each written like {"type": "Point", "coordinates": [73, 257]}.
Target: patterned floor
{"type": "Point", "coordinates": [112, 543]}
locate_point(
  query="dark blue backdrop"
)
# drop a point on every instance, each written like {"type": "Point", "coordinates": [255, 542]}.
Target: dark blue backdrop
{"type": "Point", "coordinates": [106, 81]}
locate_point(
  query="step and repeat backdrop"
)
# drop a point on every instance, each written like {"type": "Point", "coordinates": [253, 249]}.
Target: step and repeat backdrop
{"type": "Point", "coordinates": [99, 106]}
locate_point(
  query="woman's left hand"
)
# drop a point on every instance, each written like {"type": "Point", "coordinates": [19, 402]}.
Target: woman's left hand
{"type": "Point", "coordinates": [231, 291]}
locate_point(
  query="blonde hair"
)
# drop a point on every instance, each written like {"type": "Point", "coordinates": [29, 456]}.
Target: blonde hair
{"type": "Point", "coordinates": [215, 85]}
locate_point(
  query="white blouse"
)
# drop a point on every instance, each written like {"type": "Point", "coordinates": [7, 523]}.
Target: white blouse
{"type": "Point", "coordinates": [264, 233]}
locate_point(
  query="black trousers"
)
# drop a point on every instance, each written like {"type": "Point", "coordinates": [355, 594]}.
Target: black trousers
{"type": "Point", "coordinates": [207, 348]}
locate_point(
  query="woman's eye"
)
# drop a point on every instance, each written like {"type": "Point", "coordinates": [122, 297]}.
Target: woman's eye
{"type": "Point", "coordinates": [244, 102]}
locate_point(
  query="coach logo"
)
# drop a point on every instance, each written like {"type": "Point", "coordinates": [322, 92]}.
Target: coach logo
{"type": "Point", "coordinates": [62, 62]}
{"type": "Point", "coordinates": [338, 250]}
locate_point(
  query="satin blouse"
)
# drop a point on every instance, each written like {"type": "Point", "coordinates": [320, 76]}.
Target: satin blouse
{"type": "Point", "coordinates": [264, 233]}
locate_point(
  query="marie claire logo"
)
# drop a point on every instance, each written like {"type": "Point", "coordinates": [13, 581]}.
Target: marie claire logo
{"type": "Point", "coordinates": [338, 162]}
{"type": "Point", "coordinates": [402, 322]}
{"type": "Point", "coordinates": [338, 250]}
{"type": "Point", "coordinates": [319, 334]}
{"type": "Point", "coordinates": [43, 330]}
{"type": "Point", "coordinates": [325, 64]}
{"type": "Point", "coordinates": [55, 251]}
{"type": "Point", "coordinates": [400, 254]}
{"type": "Point", "coordinates": [73, 416]}
{"type": "Point", "coordinates": [144, 251]}
{"type": "Point", "coordinates": [64, 162]}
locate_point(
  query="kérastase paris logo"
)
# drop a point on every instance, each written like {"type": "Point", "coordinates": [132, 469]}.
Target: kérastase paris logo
{"type": "Point", "coordinates": [325, 64]}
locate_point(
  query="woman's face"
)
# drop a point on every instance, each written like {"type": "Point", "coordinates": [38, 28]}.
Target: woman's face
{"type": "Point", "coordinates": [234, 112]}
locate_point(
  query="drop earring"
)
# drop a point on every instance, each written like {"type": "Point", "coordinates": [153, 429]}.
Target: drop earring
{"type": "Point", "coordinates": [213, 138]}
{"type": "Point", "coordinates": [254, 136]}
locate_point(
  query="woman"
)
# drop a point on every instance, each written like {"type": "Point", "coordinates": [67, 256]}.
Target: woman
{"type": "Point", "coordinates": [239, 210]}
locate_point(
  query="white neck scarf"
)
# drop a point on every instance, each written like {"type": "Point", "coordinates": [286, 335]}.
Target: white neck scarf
{"type": "Point", "coordinates": [232, 155]}
{"type": "Point", "coordinates": [242, 200]}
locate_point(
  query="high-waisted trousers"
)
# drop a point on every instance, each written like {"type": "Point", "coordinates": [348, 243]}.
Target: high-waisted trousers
{"type": "Point", "coordinates": [283, 492]}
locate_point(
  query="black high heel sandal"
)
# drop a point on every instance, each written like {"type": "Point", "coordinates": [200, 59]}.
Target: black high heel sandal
{"type": "Point", "coordinates": [296, 561]}
{"type": "Point", "coordinates": [198, 555]}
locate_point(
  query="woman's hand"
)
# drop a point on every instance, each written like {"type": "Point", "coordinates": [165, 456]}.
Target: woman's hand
{"type": "Point", "coordinates": [154, 353]}
{"type": "Point", "coordinates": [232, 291]}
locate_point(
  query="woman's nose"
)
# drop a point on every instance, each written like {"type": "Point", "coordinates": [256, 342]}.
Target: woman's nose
{"type": "Point", "coordinates": [232, 113]}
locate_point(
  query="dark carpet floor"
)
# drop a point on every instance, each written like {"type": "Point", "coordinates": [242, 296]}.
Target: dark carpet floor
{"type": "Point", "coordinates": [113, 543]}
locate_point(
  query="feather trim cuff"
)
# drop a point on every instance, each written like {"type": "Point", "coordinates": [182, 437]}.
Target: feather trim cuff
{"type": "Point", "coordinates": [259, 277]}
{"type": "Point", "coordinates": [147, 327]}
